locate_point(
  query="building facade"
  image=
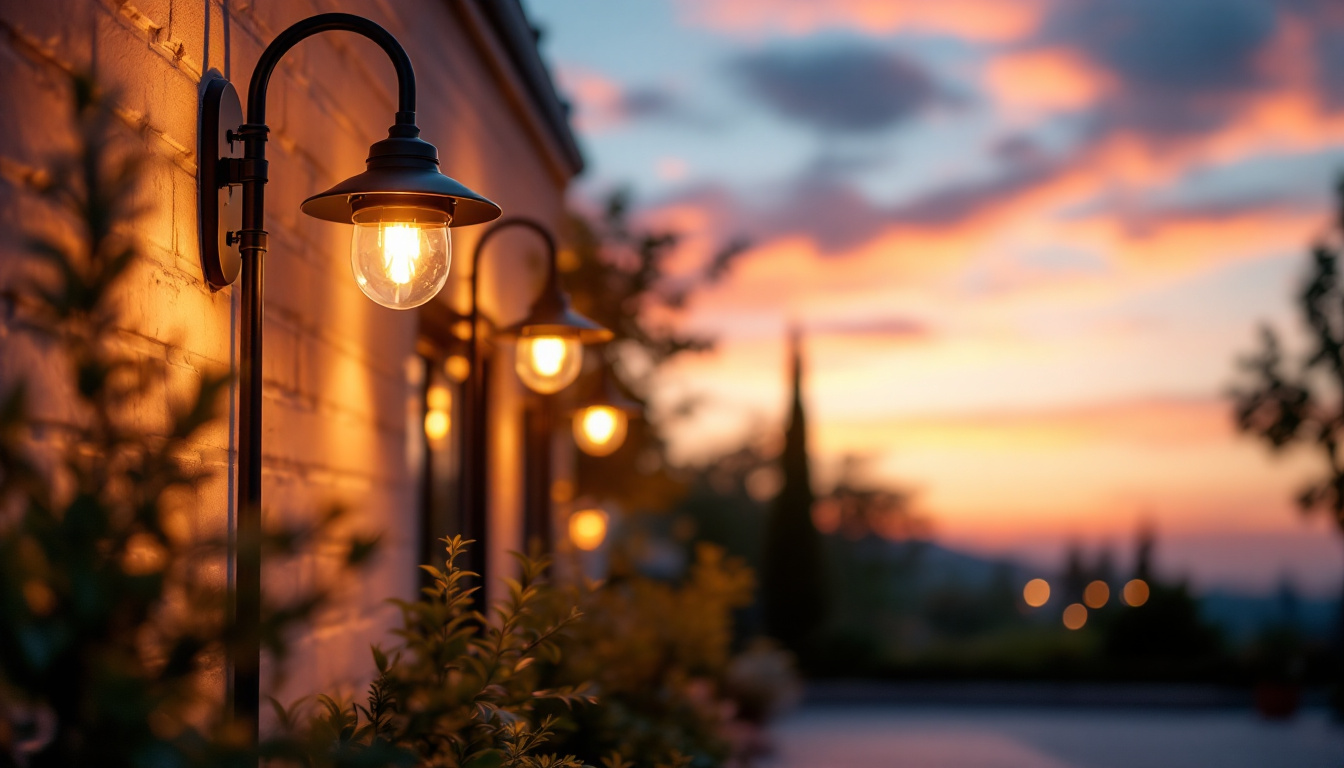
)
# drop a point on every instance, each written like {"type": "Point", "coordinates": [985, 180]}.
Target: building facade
{"type": "Point", "coordinates": [348, 384]}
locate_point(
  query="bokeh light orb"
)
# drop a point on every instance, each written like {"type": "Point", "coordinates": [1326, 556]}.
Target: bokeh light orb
{"type": "Point", "coordinates": [1075, 616]}
{"type": "Point", "coordinates": [1036, 593]}
{"type": "Point", "coordinates": [1097, 594]}
{"type": "Point", "coordinates": [1136, 593]}
{"type": "Point", "coordinates": [588, 529]}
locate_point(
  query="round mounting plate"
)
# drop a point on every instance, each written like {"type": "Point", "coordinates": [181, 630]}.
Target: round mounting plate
{"type": "Point", "coordinates": [221, 204]}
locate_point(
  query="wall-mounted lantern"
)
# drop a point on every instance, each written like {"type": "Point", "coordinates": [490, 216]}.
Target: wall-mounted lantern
{"type": "Point", "coordinates": [401, 207]}
{"type": "Point", "coordinates": [602, 419]}
{"type": "Point", "coordinates": [548, 358]}
{"type": "Point", "coordinates": [588, 529]}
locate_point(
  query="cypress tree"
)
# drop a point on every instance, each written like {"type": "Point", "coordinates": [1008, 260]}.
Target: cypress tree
{"type": "Point", "coordinates": [794, 579]}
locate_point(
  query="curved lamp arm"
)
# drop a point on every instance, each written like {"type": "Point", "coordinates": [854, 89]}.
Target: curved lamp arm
{"type": "Point", "coordinates": [501, 225]}
{"type": "Point", "coordinates": [329, 22]}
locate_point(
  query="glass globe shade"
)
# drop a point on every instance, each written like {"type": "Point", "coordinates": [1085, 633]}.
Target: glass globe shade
{"type": "Point", "coordinates": [400, 256]}
{"type": "Point", "coordinates": [600, 429]}
{"type": "Point", "coordinates": [547, 363]}
{"type": "Point", "coordinates": [588, 529]}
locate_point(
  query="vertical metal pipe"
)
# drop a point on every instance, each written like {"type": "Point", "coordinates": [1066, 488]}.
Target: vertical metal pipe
{"type": "Point", "coordinates": [471, 484]}
{"type": "Point", "coordinates": [540, 426]}
{"type": "Point", "coordinates": [247, 542]}
{"type": "Point", "coordinates": [247, 537]}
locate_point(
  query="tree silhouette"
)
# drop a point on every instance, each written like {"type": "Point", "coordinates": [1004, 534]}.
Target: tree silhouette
{"type": "Point", "coordinates": [1165, 637]}
{"type": "Point", "coordinates": [794, 586]}
{"type": "Point", "coordinates": [1303, 403]}
{"type": "Point", "coordinates": [617, 271]}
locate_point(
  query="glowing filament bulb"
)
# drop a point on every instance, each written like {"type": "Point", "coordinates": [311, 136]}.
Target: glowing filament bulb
{"type": "Point", "coordinates": [547, 363]}
{"type": "Point", "coordinates": [548, 355]}
{"type": "Point", "coordinates": [401, 251]}
{"type": "Point", "coordinates": [600, 429]}
{"type": "Point", "coordinates": [588, 529]}
{"type": "Point", "coordinates": [599, 424]}
{"type": "Point", "coordinates": [400, 256]}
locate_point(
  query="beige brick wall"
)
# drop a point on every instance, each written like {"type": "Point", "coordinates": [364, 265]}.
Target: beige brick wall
{"type": "Point", "coordinates": [335, 378]}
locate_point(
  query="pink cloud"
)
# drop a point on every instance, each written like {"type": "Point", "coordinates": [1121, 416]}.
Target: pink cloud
{"type": "Point", "coordinates": [595, 96]}
{"type": "Point", "coordinates": [602, 104]}
{"type": "Point", "coordinates": [1044, 80]}
{"type": "Point", "coordinates": [983, 20]}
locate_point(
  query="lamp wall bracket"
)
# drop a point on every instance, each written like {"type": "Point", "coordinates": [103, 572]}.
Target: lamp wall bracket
{"type": "Point", "coordinates": [220, 171]}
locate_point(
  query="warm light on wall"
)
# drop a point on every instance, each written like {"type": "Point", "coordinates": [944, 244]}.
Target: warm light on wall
{"type": "Point", "coordinates": [588, 529]}
{"type": "Point", "coordinates": [548, 363]}
{"type": "Point", "coordinates": [599, 430]}
{"type": "Point", "coordinates": [1036, 593]}
{"type": "Point", "coordinates": [457, 368]}
{"type": "Point", "coordinates": [1136, 593]}
{"type": "Point", "coordinates": [438, 419]}
{"type": "Point", "coordinates": [1075, 616]}
{"type": "Point", "coordinates": [1097, 594]}
{"type": "Point", "coordinates": [439, 398]}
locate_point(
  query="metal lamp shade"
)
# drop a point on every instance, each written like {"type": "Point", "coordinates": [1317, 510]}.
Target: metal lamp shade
{"type": "Point", "coordinates": [402, 171]}
{"type": "Point", "coordinates": [551, 315]}
{"type": "Point", "coordinates": [605, 394]}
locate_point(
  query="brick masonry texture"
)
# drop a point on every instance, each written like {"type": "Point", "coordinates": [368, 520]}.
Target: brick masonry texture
{"type": "Point", "coordinates": [334, 409]}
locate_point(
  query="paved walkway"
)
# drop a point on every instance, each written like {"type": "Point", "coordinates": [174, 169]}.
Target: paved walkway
{"type": "Point", "coordinates": [908, 737]}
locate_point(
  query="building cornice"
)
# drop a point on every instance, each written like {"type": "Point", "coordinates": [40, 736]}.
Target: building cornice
{"type": "Point", "coordinates": [501, 28]}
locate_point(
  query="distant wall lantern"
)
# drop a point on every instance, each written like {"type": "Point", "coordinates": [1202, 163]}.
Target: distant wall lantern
{"type": "Point", "coordinates": [602, 419]}
{"type": "Point", "coordinates": [547, 358]}
{"type": "Point", "coordinates": [401, 207]}
{"type": "Point", "coordinates": [588, 529]}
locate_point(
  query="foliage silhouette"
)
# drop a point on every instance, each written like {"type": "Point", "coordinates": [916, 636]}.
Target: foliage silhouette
{"type": "Point", "coordinates": [1302, 402]}
{"type": "Point", "coordinates": [618, 274]}
{"type": "Point", "coordinates": [461, 689]}
{"type": "Point", "coordinates": [659, 657]}
{"type": "Point", "coordinates": [112, 611]}
{"type": "Point", "coordinates": [795, 591]}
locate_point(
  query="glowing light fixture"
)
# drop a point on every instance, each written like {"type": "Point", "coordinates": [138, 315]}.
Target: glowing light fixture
{"type": "Point", "coordinates": [600, 429]}
{"type": "Point", "coordinates": [1097, 594]}
{"type": "Point", "coordinates": [1036, 593]}
{"type": "Point", "coordinates": [602, 420]}
{"type": "Point", "coordinates": [548, 357]}
{"type": "Point", "coordinates": [400, 264]}
{"type": "Point", "coordinates": [457, 368]}
{"type": "Point", "coordinates": [1136, 592]}
{"type": "Point", "coordinates": [551, 338]}
{"type": "Point", "coordinates": [438, 413]}
{"type": "Point", "coordinates": [437, 424]}
{"type": "Point", "coordinates": [1075, 616]}
{"type": "Point", "coordinates": [549, 354]}
{"type": "Point", "coordinates": [547, 363]}
{"type": "Point", "coordinates": [588, 529]}
{"type": "Point", "coordinates": [401, 207]}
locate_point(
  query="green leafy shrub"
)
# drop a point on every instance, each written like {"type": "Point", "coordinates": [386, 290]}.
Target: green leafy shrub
{"type": "Point", "coordinates": [658, 655]}
{"type": "Point", "coordinates": [111, 612]}
{"type": "Point", "coordinates": [461, 689]}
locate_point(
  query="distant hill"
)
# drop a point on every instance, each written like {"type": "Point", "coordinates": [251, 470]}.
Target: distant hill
{"type": "Point", "coordinates": [1242, 617]}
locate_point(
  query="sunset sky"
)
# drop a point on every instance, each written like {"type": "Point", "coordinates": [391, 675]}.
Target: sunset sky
{"type": "Point", "coordinates": [1027, 240]}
